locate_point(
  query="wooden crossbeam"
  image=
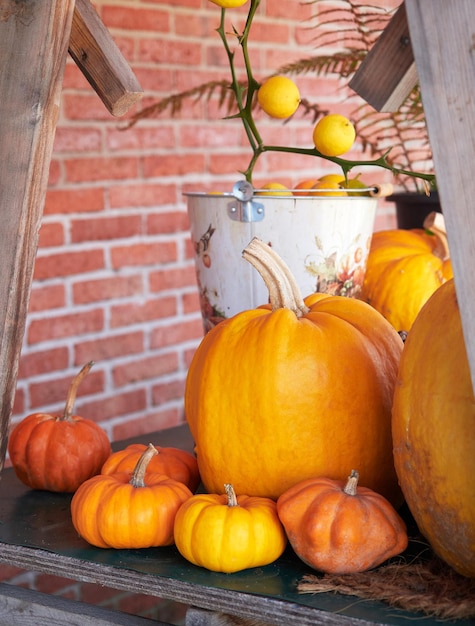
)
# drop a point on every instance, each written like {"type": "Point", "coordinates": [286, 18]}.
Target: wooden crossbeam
{"type": "Point", "coordinates": [34, 39]}
{"type": "Point", "coordinates": [100, 60]}
{"type": "Point", "coordinates": [388, 73]}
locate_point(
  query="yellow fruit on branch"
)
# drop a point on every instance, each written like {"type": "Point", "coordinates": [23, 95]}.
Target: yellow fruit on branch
{"type": "Point", "coordinates": [334, 135]}
{"type": "Point", "coordinates": [229, 4]}
{"type": "Point", "coordinates": [294, 389]}
{"type": "Point", "coordinates": [279, 97]}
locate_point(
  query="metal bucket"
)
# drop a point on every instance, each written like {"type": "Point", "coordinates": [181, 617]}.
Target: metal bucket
{"type": "Point", "coordinates": [323, 239]}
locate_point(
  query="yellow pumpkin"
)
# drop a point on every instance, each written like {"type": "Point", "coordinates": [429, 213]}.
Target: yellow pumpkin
{"type": "Point", "coordinates": [294, 390]}
{"type": "Point", "coordinates": [225, 533]}
{"type": "Point", "coordinates": [434, 431]}
{"type": "Point", "coordinates": [404, 268]}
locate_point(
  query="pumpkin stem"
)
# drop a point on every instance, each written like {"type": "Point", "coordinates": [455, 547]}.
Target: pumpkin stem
{"type": "Point", "coordinates": [232, 500]}
{"type": "Point", "coordinates": [352, 483]}
{"type": "Point", "coordinates": [71, 397]}
{"type": "Point", "coordinates": [283, 289]}
{"type": "Point", "coordinates": [138, 476]}
{"type": "Point", "coordinates": [435, 223]}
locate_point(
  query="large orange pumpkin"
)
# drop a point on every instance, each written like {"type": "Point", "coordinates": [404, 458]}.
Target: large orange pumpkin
{"type": "Point", "coordinates": [58, 452]}
{"type": "Point", "coordinates": [434, 431]}
{"type": "Point", "coordinates": [293, 390]}
{"type": "Point", "coordinates": [404, 268]}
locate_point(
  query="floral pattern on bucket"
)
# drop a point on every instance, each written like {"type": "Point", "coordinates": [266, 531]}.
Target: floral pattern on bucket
{"type": "Point", "coordinates": [337, 273]}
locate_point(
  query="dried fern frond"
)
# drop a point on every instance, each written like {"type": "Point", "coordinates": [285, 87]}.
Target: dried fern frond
{"type": "Point", "coordinates": [360, 23]}
{"type": "Point", "coordinates": [343, 64]}
{"type": "Point", "coordinates": [404, 131]}
{"type": "Point", "coordinates": [174, 103]}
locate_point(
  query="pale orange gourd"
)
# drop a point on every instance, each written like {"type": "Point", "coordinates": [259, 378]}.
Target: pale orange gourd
{"type": "Point", "coordinates": [404, 268]}
{"type": "Point", "coordinates": [340, 528]}
{"type": "Point", "coordinates": [434, 431]}
{"type": "Point", "coordinates": [286, 392]}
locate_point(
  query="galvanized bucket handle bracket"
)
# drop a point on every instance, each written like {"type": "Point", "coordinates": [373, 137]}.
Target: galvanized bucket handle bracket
{"type": "Point", "coordinates": [244, 208]}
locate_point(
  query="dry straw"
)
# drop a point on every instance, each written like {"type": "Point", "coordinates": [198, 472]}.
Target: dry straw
{"type": "Point", "coordinates": [428, 586]}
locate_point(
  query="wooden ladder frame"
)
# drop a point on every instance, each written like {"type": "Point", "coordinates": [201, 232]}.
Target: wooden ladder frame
{"type": "Point", "coordinates": [35, 37]}
{"type": "Point", "coordinates": [433, 41]}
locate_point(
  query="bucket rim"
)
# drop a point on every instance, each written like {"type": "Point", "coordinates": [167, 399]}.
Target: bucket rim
{"type": "Point", "coordinates": [356, 194]}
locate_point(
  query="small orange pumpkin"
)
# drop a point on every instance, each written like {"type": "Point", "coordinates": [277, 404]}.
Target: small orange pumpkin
{"type": "Point", "coordinates": [124, 511]}
{"type": "Point", "coordinates": [225, 533]}
{"type": "Point", "coordinates": [173, 462]}
{"type": "Point", "coordinates": [340, 528]}
{"type": "Point", "coordinates": [404, 268]}
{"type": "Point", "coordinates": [58, 453]}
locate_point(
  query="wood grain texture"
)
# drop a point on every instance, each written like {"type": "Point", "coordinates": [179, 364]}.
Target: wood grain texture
{"type": "Point", "coordinates": [100, 60]}
{"type": "Point", "coordinates": [443, 40]}
{"type": "Point", "coordinates": [34, 37]}
{"type": "Point", "coordinates": [388, 74]}
{"type": "Point", "coordinates": [20, 607]}
{"type": "Point", "coordinates": [199, 617]}
{"type": "Point", "coordinates": [274, 611]}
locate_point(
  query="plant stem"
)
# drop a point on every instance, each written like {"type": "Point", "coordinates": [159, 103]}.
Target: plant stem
{"type": "Point", "coordinates": [138, 475]}
{"type": "Point", "coordinates": [245, 112]}
{"type": "Point", "coordinates": [352, 484]}
{"type": "Point", "coordinates": [345, 164]}
{"type": "Point", "coordinates": [71, 397]}
{"type": "Point", "coordinates": [284, 293]}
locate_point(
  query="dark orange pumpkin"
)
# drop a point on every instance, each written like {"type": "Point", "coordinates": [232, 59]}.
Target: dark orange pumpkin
{"type": "Point", "coordinates": [124, 511]}
{"type": "Point", "coordinates": [58, 453]}
{"type": "Point", "coordinates": [173, 462]}
{"type": "Point", "coordinates": [340, 528]}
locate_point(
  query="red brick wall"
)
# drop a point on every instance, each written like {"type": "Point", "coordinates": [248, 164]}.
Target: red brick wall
{"type": "Point", "coordinates": [114, 278]}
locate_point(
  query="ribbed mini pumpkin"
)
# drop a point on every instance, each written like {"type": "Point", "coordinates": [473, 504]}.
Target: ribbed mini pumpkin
{"type": "Point", "coordinates": [225, 533]}
{"type": "Point", "coordinates": [339, 527]}
{"type": "Point", "coordinates": [173, 462]}
{"type": "Point", "coordinates": [292, 390]}
{"type": "Point", "coordinates": [128, 510]}
{"type": "Point", "coordinates": [434, 431]}
{"type": "Point", "coordinates": [404, 268]}
{"type": "Point", "coordinates": [58, 452]}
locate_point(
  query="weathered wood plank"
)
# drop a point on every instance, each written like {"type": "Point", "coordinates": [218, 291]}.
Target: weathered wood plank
{"type": "Point", "coordinates": [34, 38]}
{"type": "Point", "coordinates": [20, 607]}
{"type": "Point", "coordinates": [250, 606]}
{"type": "Point", "coordinates": [442, 38]}
{"type": "Point", "coordinates": [199, 617]}
{"type": "Point", "coordinates": [100, 60]}
{"type": "Point", "coordinates": [388, 74]}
